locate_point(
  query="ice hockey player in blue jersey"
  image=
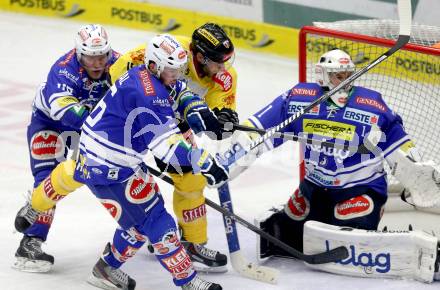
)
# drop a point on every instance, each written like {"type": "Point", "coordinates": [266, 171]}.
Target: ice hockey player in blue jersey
{"type": "Point", "coordinates": [134, 117]}
{"type": "Point", "coordinates": [340, 187]}
{"type": "Point", "coordinates": [75, 83]}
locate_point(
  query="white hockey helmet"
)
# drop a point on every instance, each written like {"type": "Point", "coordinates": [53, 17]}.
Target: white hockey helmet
{"type": "Point", "coordinates": [92, 39]}
{"type": "Point", "coordinates": [333, 61]}
{"type": "Point", "coordinates": [165, 51]}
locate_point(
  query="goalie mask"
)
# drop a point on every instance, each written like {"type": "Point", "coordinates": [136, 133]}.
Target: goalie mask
{"type": "Point", "coordinates": [332, 68]}
{"type": "Point", "coordinates": [169, 57]}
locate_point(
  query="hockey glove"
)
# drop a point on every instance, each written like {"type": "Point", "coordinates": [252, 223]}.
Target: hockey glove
{"type": "Point", "coordinates": [227, 117]}
{"type": "Point", "coordinates": [215, 174]}
{"type": "Point", "coordinates": [201, 119]}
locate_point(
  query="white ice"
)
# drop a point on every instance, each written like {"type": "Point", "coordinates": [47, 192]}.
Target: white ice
{"type": "Point", "coordinates": [82, 227]}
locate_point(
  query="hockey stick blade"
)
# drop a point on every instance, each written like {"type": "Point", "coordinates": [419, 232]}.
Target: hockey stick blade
{"type": "Point", "coordinates": [333, 255]}
{"type": "Point", "coordinates": [252, 270]}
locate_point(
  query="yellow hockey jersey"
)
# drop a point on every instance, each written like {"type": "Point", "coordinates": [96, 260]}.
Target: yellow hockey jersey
{"type": "Point", "coordinates": [218, 91]}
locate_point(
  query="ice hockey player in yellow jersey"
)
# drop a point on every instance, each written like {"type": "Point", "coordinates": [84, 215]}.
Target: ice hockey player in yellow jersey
{"type": "Point", "coordinates": [210, 75]}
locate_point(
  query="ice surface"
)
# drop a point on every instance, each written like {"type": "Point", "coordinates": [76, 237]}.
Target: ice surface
{"type": "Point", "coordinates": [28, 47]}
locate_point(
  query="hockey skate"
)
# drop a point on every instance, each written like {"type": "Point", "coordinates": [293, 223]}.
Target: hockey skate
{"type": "Point", "coordinates": [31, 258]}
{"type": "Point", "coordinates": [205, 259]}
{"type": "Point", "coordinates": [25, 218]}
{"type": "Point", "coordinates": [106, 277]}
{"type": "Point", "coordinates": [199, 284]}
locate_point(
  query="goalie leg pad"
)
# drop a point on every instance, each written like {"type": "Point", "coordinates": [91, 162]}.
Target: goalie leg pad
{"type": "Point", "coordinates": [376, 254]}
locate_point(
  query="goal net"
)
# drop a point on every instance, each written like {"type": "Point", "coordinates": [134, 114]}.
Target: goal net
{"type": "Point", "coordinates": [409, 80]}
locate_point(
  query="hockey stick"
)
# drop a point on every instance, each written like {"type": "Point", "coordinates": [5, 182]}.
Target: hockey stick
{"type": "Point", "coordinates": [404, 7]}
{"type": "Point", "coordinates": [362, 149]}
{"type": "Point", "coordinates": [333, 255]}
{"type": "Point", "coordinates": [238, 261]}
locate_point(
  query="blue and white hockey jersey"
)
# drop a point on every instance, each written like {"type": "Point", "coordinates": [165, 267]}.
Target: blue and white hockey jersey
{"type": "Point", "coordinates": [68, 86]}
{"type": "Point", "coordinates": [336, 168]}
{"type": "Point", "coordinates": [134, 116]}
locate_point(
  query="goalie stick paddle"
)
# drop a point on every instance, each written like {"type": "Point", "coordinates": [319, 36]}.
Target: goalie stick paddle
{"type": "Point", "coordinates": [333, 255]}
{"type": "Point", "coordinates": [404, 7]}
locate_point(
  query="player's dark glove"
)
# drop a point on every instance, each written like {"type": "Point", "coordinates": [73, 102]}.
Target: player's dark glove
{"type": "Point", "coordinates": [209, 167]}
{"type": "Point", "coordinates": [202, 119]}
{"type": "Point", "coordinates": [226, 116]}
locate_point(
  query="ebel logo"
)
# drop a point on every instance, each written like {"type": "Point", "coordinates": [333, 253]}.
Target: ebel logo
{"type": "Point", "coordinates": [295, 107]}
{"type": "Point", "coordinates": [381, 262]}
{"type": "Point", "coordinates": [58, 6]}
{"type": "Point", "coordinates": [361, 116]}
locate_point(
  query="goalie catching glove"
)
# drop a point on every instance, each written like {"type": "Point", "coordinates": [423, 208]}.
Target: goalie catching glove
{"type": "Point", "coordinates": [422, 179]}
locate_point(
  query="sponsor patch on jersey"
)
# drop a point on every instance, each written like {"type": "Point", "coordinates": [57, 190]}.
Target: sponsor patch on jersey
{"type": "Point", "coordinates": [323, 179]}
{"type": "Point", "coordinates": [113, 207]}
{"type": "Point", "coordinates": [113, 173]}
{"type": "Point", "coordinates": [303, 92]}
{"type": "Point", "coordinates": [139, 191]}
{"type": "Point", "coordinates": [295, 107]}
{"type": "Point", "coordinates": [229, 100]}
{"type": "Point", "coordinates": [64, 72]}
{"type": "Point", "coordinates": [161, 102]}
{"type": "Point", "coordinates": [354, 207]}
{"type": "Point", "coordinates": [46, 145]}
{"type": "Point", "coordinates": [147, 84]}
{"type": "Point", "coordinates": [224, 79]}
{"type": "Point", "coordinates": [191, 215]}
{"type": "Point", "coordinates": [298, 206]}
{"type": "Point", "coordinates": [339, 154]}
{"type": "Point", "coordinates": [371, 103]}
{"type": "Point", "coordinates": [361, 116]}
{"type": "Point", "coordinates": [137, 57]}
{"type": "Point", "coordinates": [330, 129]}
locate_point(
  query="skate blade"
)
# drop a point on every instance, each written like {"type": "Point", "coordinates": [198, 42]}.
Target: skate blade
{"type": "Point", "coordinates": [199, 267]}
{"type": "Point", "coordinates": [101, 283]}
{"type": "Point", "coordinates": [31, 266]}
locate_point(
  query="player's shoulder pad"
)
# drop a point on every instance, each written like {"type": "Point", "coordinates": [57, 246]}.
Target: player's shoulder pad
{"type": "Point", "coordinates": [225, 79]}
{"type": "Point", "coordinates": [67, 67]}
{"type": "Point", "coordinates": [308, 91]}
{"type": "Point", "coordinates": [136, 55]}
{"type": "Point", "coordinates": [369, 99]}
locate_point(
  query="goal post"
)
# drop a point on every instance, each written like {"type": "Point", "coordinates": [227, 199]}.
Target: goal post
{"type": "Point", "coordinates": [409, 81]}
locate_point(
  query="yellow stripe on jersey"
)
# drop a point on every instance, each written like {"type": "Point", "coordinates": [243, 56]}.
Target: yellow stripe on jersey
{"type": "Point", "coordinates": [65, 101]}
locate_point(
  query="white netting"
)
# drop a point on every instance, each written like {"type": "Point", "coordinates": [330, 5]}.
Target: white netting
{"type": "Point", "coordinates": [409, 80]}
{"type": "Point", "coordinates": [385, 28]}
